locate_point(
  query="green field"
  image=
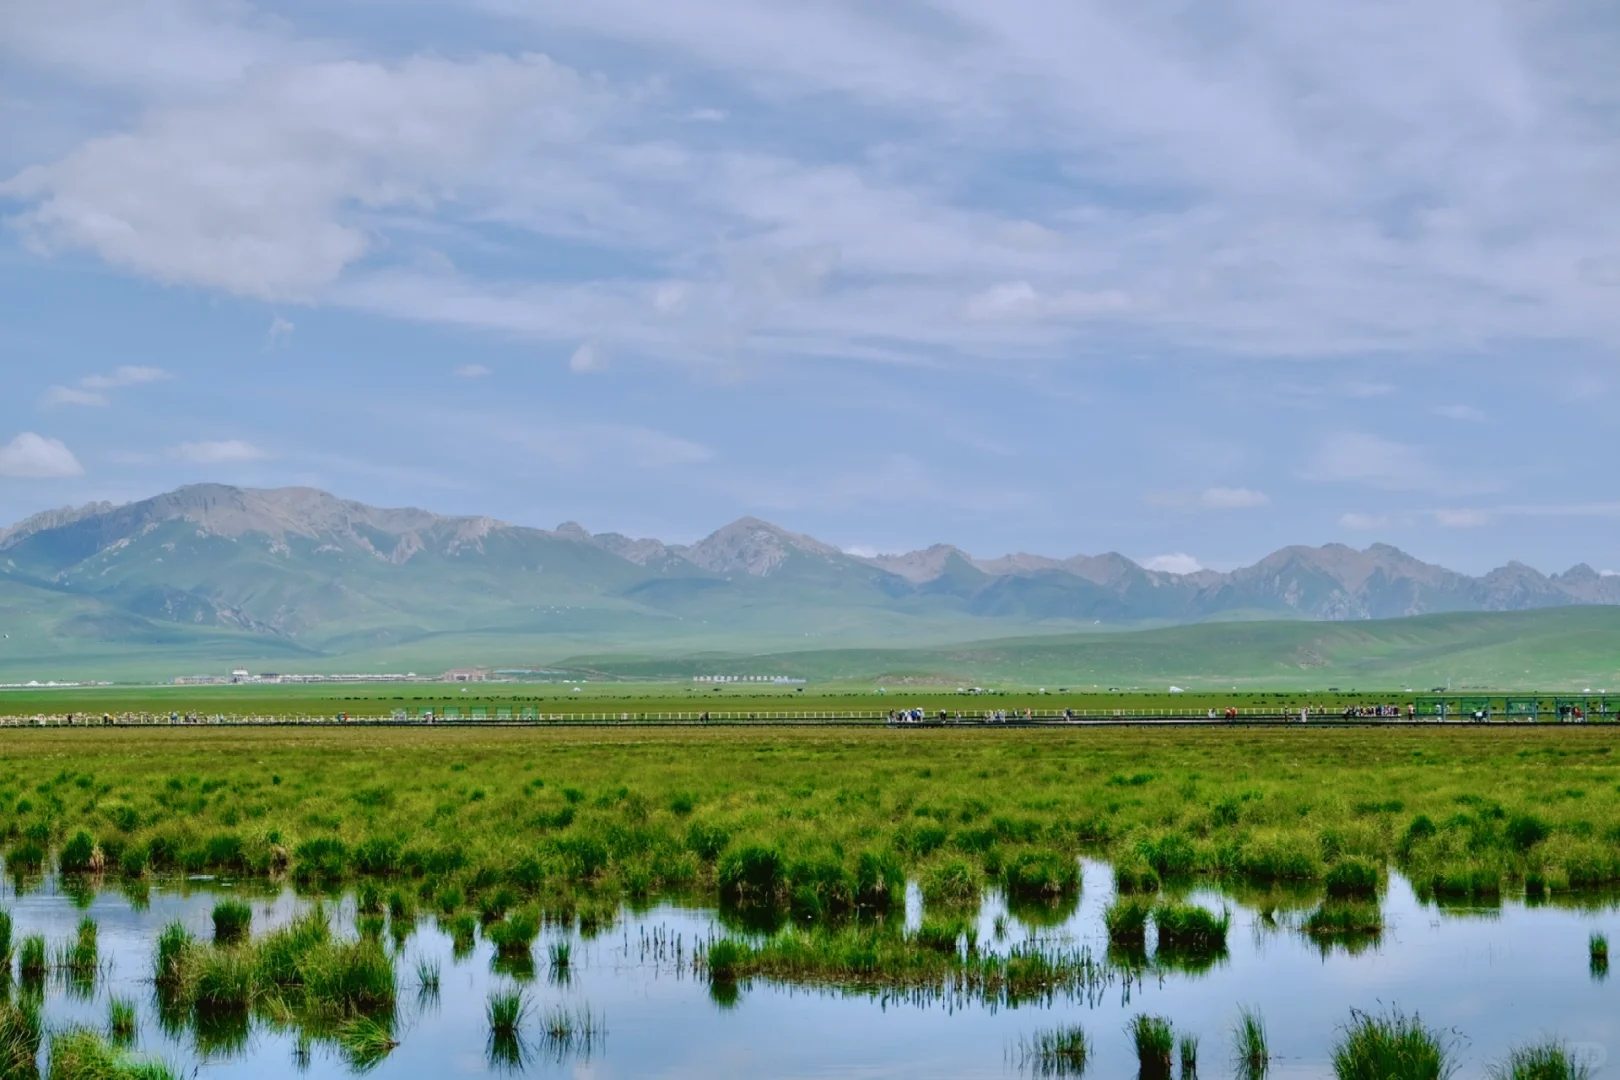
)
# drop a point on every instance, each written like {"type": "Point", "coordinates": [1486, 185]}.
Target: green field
{"type": "Point", "coordinates": [451, 816]}
{"type": "Point", "coordinates": [1554, 649]}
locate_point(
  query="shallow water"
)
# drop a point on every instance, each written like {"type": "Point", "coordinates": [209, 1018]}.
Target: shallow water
{"type": "Point", "coordinates": [1490, 977]}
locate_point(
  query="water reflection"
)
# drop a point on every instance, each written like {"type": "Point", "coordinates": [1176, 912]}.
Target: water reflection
{"type": "Point", "coordinates": [1497, 970]}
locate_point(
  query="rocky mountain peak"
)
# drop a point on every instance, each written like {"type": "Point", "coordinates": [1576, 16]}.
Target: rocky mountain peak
{"type": "Point", "coordinates": [754, 547]}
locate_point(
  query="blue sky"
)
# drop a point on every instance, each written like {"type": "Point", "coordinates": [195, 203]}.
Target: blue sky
{"type": "Point", "coordinates": [1163, 278]}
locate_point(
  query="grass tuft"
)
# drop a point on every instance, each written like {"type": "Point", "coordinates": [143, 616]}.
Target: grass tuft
{"type": "Point", "coordinates": [1189, 1057]}
{"type": "Point", "coordinates": [1154, 1040]}
{"type": "Point", "coordinates": [232, 921]}
{"type": "Point", "coordinates": [1549, 1060]}
{"type": "Point", "coordinates": [81, 1054]}
{"type": "Point", "coordinates": [1391, 1045]}
{"type": "Point", "coordinates": [1250, 1050]}
{"type": "Point", "coordinates": [121, 1021]}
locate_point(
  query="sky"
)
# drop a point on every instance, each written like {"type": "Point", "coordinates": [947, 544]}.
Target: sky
{"type": "Point", "coordinates": [1185, 281]}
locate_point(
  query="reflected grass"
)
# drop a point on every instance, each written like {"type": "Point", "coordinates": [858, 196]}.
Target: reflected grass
{"type": "Point", "coordinates": [1063, 1051]}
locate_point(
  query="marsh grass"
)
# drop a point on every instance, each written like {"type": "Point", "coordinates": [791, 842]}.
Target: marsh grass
{"type": "Point", "coordinates": [232, 921]}
{"type": "Point", "coordinates": [121, 1021]}
{"type": "Point", "coordinates": [1548, 1060]}
{"type": "Point", "coordinates": [1352, 877]}
{"type": "Point", "coordinates": [297, 971]}
{"type": "Point", "coordinates": [20, 1033]}
{"type": "Point", "coordinates": [571, 1032]}
{"type": "Point", "coordinates": [364, 1041]}
{"type": "Point", "coordinates": [427, 978]}
{"type": "Point", "coordinates": [1126, 921]}
{"type": "Point", "coordinates": [1190, 928]}
{"type": "Point", "coordinates": [1155, 1042]}
{"type": "Point", "coordinates": [5, 938]}
{"type": "Point", "coordinates": [1597, 951]}
{"type": "Point", "coordinates": [1353, 927]}
{"type": "Point", "coordinates": [32, 960]}
{"type": "Point", "coordinates": [506, 1012]}
{"type": "Point", "coordinates": [1056, 1052]}
{"type": "Point", "coordinates": [1251, 1052]}
{"type": "Point", "coordinates": [560, 960]}
{"type": "Point", "coordinates": [1189, 1057]}
{"type": "Point", "coordinates": [514, 935]}
{"type": "Point", "coordinates": [81, 1054]}
{"type": "Point", "coordinates": [880, 954]}
{"type": "Point", "coordinates": [636, 823]}
{"type": "Point", "coordinates": [1392, 1045]}
{"type": "Point", "coordinates": [1191, 938]}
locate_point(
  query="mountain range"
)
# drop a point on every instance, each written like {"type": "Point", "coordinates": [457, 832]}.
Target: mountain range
{"type": "Point", "coordinates": [214, 571]}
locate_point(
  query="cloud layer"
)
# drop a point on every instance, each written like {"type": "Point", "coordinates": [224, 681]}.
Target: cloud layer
{"type": "Point", "coordinates": [1308, 266]}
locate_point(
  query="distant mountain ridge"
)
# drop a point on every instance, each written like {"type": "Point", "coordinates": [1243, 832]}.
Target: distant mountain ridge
{"type": "Point", "coordinates": [311, 570]}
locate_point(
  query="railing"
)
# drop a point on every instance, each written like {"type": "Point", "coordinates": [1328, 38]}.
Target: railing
{"type": "Point", "coordinates": [536, 718]}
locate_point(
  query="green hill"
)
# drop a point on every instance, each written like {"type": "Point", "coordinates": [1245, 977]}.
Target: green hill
{"type": "Point", "coordinates": [1571, 648]}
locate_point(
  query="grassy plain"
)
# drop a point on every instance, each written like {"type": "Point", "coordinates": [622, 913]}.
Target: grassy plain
{"type": "Point", "coordinates": [1564, 648]}
{"type": "Point", "coordinates": [818, 821]}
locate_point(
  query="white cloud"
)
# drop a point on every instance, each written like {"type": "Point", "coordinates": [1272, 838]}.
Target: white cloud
{"type": "Point", "coordinates": [472, 371]}
{"type": "Point", "coordinates": [1462, 519]}
{"type": "Point", "coordinates": [670, 297]}
{"type": "Point", "coordinates": [279, 328]}
{"type": "Point", "coordinates": [257, 192]}
{"type": "Point", "coordinates": [1353, 457]}
{"type": "Point", "coordinates": [125, 375]}
{"type": "Point", "coordinates": [92, 390]}
{"type": "Point", "coordinates": [587, 358]}
{"type": "Point", "coordinates": [222, 452]}
{"type": "Point", "coordinates": [1019, 300]}
{"type": "Point", "coordinates": [34, 456]}
{"type": "Point", "coordinates": [1363, 522]}
{"type": "Point", "coordinates": [1223, 498]}
{"type": "Point", "coordinates": [1177, 563]}
{"type": "Point", "coordinates": [1463, 413]}
{"type": "Point", "coordinates": [74, 395]}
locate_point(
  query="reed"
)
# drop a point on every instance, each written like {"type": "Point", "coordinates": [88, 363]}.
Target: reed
{"type": "Point", "coordinates": [1155, 1043]}
{"type": "Point", "coordinates": [1392, 1045]}
{"type": "Point", "coordinates": [1548, 1060]}
{"type": "Point", "coordinates": [1057, 1052]}
{"type": "Point", "coordinates": [1250, 1050]}
{"type": "Point", "coordinates": [5, 937]}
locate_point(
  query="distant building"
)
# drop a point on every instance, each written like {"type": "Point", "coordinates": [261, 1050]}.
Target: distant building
{"type": "Point", "coordinates": [466, 675]}
{"type": "Point", "coordinates": [778, 680]}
